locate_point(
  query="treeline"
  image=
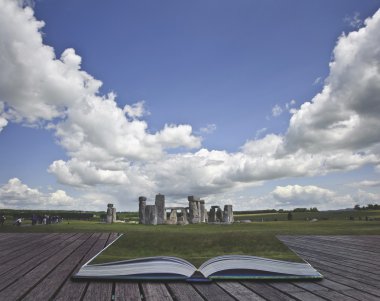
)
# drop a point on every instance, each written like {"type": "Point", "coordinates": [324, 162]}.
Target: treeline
{"type": "Point", "coordinates": [66, 214]}
{"type": "Point", "coordinates": [313, 209]}
{"type": "Point", "coordinates": [368, 207]}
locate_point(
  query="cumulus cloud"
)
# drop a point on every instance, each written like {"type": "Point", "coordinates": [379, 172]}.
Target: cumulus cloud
{"type": "Point", "coordinates": [3, 120]}
{"type": "Point", "coordinates": [37, 87]}
{"type": "Point", "coordinates": [366, 183]}
{"type": "Point", "coordinates": [15, 194]}
{"type": "Point", "coordinates": [344, 115]}
{"type": "Point", "coordinates": [292, 196]}
{"type": "Point", "coordinates": [136, 110]}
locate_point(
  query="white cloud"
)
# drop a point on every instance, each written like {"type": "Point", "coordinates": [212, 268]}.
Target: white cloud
{"type": "Point", "coordinates": [364, 198]}
{"type": "Point", "coordinates": [292, 196]}
{"type": "Point", "coordinates": [208, 129]}
{"type": "Point", "coordinates": [3, 120]}
{"type": "Point", "coordinates": [354, 21]}
{"type": "Point", "coordinates": [276, 111]}
{"type": "Point", "coordinates": [260, 132]}
{"type": "Point", "coordinates": [37, 88]}
{"type": "Point", "coordinates": [15, 194]}
{"type": "Point", "coordinates": [136, 110]}
{"type": "Point", "coordinates": [345, 114]}
{"type": "Point", "coordinates": [366, 183]}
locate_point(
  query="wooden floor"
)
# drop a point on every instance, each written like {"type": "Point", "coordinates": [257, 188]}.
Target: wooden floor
{"type": "Point", "coordinates": [39, 266]}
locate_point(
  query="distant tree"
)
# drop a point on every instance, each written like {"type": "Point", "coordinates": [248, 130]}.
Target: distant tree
{"type": "Point", "coordinates": [357, 207]}
{"type": "Point", "coordinates": [300, 210]}
{"type": "Point", "coordinates": [290, 216]}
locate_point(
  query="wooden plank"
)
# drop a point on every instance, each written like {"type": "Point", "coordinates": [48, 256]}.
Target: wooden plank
{"type": "Point", "coordinates": [323, 261]}
{"type": "Point", "coordinates": [100, 291]}
{"type": "Point", "coordinates": [239, 291]}
{"type": "Point", "coordinates": [354, 284]}
{"type": "Point", "coordinates": [26, 282]}
{"type": "Point", "coordinates": [154, 291]}
{"type": "Point", "coordinates": [18, 242]}
{"type": "Point", "coordinates": [332, 250]}
{"type": "Point", "coordinates": [360, 277]}
{"type": "Point", "coordinates": [361, 259]}
{"type": "Point", "coordinates": [267, 292]}
{"type": "Point", "coordinates": [335, 296]}
{"type": "Point", "coordinates": [46, 289]}
{"type": "Point", "coordinates": [73, 290]}
{"type": "Point", "coordinates": [211, 291]}
{"type": "Point", "coordinates": [19, 270]}
{"type": "Point", "coordinates": [295, 291]}
{"type": "Point", "coordinates": [326, 285]}
{"type": "Point", "coordinates": [27, 248]}
{"type": "Point", "coordinates": [359, 295]}
{"type": "Point", "coordinates": [341, 262]}
{"type": "Point", "coordinates": [127, 291]}
{"type": "Point", "coordinates": [183, 291]}
{"type": "Point", "coordinates": [93, 287]}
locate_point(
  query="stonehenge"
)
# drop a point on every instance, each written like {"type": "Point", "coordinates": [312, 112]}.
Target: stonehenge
{"type": "Point", "coordinates": [111, 214]}
{"type": "Point", "coordinates": [195, 213]}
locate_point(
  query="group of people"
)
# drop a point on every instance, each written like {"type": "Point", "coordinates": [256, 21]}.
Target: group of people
{"type": "Point", "coordinates": [36, 219]}
{"type": "Point", "coordinates": [45, 219]}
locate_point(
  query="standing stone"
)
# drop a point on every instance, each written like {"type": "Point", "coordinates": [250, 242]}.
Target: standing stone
{"type": "Point", "coordinates": [203, 211]}
{"type": "Point", "coordinates": [150, 215]}
{"type": "Point", "coordinates": [114, 215]}
{"type": "Point", "coordinates": [183, 218]}
{"type": "Point", "coordinates": [219, 215]}
{"type": "Point", "coordinates": [173, 217]}
{"type": "Point", "coordinates": [160, 205]}
{"type": "Point", "coordinates": [142, 205]}
{"type": "Point", "coordinates": [194, 209]}
{"type": "Point", "coordinates": [109, 213]}
{"type": "Point", "coordinates": [228, 215]}
{"type": "Point", "coordinates": [212, 214]}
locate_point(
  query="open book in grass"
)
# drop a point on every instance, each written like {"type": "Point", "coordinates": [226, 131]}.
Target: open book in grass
{"type": "Point", "coordinates": [107, 264]}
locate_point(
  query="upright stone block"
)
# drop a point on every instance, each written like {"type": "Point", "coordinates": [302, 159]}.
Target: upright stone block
{"type": "Point", "coordinates": [219, 215]}
{"type": "Point", "coordinates": [203, 211]}
{"type": "Point", "coordinates": [142, 205]}
{"type": "Point", "coordinates": [212, 214]}
{"type": "Point", "coordinates": [173, 217]}
{"type": "Point", "coordinates": [150, 215]}
{"type": "Point", "coordinates": [228, 215]}
{"type": "Point", "coordinates": [109, 213]}
{"type": "Point", "coordinates": [183, 219]}
{"type": "Point", "coordinates": [194, 210]}
{"type": "Point", "coordinates": [114, 215]}
{"type": "Point", "coordinates": [160, 205]}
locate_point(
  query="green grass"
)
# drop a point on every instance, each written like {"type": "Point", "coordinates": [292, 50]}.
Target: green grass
{"type": "Point", "coordinates": [323, 215]}
{"type": "Point", "coordinates": [200, 242]}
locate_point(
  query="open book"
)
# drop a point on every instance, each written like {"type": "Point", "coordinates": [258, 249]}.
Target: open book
{"type": "Point", "coordinates": [220, 267]}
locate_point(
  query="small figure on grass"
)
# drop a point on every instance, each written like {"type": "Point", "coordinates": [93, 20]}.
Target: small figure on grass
{"type": "Point", "coordinates": [2, 219]}
{"type": "Point", "coordinates": [18, 222]}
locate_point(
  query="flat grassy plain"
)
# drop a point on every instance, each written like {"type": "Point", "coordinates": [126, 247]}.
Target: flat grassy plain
{"type": "Point", "coordinates": [197, 243]}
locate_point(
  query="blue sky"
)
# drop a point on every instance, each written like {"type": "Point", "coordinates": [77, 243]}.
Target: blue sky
{"type": "Point", "coordinates": [255, 103]}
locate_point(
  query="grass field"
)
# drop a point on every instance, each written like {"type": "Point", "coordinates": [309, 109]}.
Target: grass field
{"type": "Point", "coordinates": [200, 242]}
